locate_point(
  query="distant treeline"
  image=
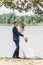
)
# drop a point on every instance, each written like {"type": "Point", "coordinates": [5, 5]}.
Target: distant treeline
{"type": "Point", "coordinates": [28, 20]}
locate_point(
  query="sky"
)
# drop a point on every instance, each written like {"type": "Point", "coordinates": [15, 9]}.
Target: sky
{"type": "Point", "coordinates": [3, 10]}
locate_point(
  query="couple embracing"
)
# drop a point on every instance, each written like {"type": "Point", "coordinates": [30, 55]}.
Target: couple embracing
{"type": "Point", "coordinates": [16, 37]}
{"type": "Point", "coordinates": [20, 37]}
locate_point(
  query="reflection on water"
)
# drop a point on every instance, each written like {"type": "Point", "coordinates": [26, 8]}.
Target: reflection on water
{"type": "Point", "coordinates": [35, 41]}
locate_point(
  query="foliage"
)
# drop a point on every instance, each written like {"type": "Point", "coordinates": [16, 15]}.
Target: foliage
{"type": "Point", "coordinates": [28, 20]}
{"type": "Point", "coordinates": [22, 5]}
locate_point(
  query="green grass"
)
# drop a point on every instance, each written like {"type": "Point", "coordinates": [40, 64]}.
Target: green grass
{"type": "Point", "coordinates": [31, 24]}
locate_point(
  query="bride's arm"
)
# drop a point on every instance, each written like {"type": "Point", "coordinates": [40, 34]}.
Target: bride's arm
{"type": "Point", "coordinates": [20, 30]}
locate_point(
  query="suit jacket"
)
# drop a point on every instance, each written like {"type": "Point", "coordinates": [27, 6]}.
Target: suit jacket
{"type": "Point", "coordinates": [16, 34]}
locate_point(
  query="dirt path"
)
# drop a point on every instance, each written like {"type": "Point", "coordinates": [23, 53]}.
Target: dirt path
{"type": "Point", "coordinates": [20, 62]}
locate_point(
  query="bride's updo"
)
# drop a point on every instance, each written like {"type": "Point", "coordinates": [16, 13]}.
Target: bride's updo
{"type": "Point", "coordinates": [22, 25]}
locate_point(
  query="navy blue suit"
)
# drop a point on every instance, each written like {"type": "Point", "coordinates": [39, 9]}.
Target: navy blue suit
{"type": "Point", "coordinates": [16, 35]}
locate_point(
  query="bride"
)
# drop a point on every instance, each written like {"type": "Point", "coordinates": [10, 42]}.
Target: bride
{"type": "Point", "coordinates": [25, 51]}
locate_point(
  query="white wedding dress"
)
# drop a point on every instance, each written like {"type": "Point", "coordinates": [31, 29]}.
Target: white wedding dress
{"type": "Point", "coordinates": [25, 50]}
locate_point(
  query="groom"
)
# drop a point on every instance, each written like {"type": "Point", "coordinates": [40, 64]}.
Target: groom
{"type": "Point", "coordinates": [16, 35]}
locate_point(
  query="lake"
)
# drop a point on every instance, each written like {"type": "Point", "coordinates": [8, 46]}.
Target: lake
{"type": "Point", "coordinates": [34, 35]}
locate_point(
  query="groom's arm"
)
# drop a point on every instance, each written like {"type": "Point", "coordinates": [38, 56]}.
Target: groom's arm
{"type": "Point", "coordinates": [17, 32]}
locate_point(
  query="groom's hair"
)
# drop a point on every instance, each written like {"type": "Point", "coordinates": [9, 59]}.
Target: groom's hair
{"type": "Point", "coordinates": [15, 22]}
{"type": "Point", "coordinates": [23, 25]}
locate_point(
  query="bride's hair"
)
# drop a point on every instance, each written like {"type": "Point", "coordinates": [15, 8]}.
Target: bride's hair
{"type": "Point", "coordinates": [22, 25]}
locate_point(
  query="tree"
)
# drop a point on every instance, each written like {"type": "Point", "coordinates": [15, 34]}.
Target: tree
{"type": "Point", "coordinates": [38, 6]}
{"type": "Point", "coordinates": [23, 5]}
